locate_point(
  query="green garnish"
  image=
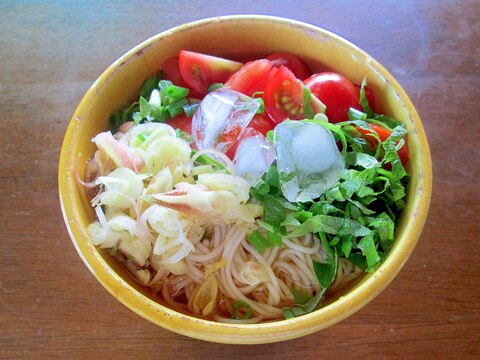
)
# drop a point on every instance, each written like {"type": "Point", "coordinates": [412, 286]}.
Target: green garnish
{"type": "Point", "coordinates": [176, 108]}
{"type": "Point", "coordinates": [141, 137]}
{"type": "Point", "coordinates": [308, 307]}
{"type": "Point", "coordinates": [190, 109]}
{"type": "Point", "coordinates": [299, 297]}
{"type": "Point", "coordinates": [175, 93]}
{"type": "Point", "coordinates": [354, 219]}
{"type": "Point", "coordinates": [242, 305]}
{"type": "Point", "coordinates": [184, 136]}
{"type": "Point", "coordinates": [364, 101]}
{"type": "Point", "coordinates": [214, 86]}
{"type": "Point", "coordinates": [149, 85]}
{"type": "Point", "coordinates": [123, 115]}
{"type": "Point", "coordinates": [207, 160]}
{"type": "Point", "coordinates": [261, 108]}
{"type": "Point", "coordinates": [258, 241]}
{"type": "Point", "coordinates": [159, 101]}
{"type": "Point", "coordinates": [327, 271]}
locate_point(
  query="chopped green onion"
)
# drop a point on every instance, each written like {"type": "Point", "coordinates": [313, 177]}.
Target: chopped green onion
{"type": "Point", "coordinates": [214, 86]}
{"type": "Point", "coordinates": [175, 92]}
{"type": "Point", "coordinates": [141, 137]}
{"type": "Point", "coordinates": [320, 117]}
{"type": "Point", "coordinates": [184, 136]}
{"type": "Point", "coordinates": [123, 115]}
{"type": "Point", "coordinates": [270, 135]}
{"type": "Point", "coordinates": [176, 108]}
{"type": "Point", "coordinates": [261, 108]}
{"type": "Point", "coordinates": [207, 160]}
{"type": "Point", "coordinates": [191, 109]}
{"type": "Point", "coordinates": [242, 305]}
{"type": "Point", "coordinates": [163, 86]}
{"type": "Point", "coordinates": [148, 86]}
{"type": "Point", "coordinates": [354, 114]}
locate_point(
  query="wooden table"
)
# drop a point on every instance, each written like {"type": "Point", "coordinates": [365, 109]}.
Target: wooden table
{"type": "Point", "coordinates": [50, 304]}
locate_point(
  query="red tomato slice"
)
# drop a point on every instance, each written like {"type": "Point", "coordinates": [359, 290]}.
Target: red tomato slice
{"type": "Point", "coordinates": [181, 122]}
{"type": "Point", "coordinates": [293, 63]}
{"type": "Point", "coordinates": [336, 92]}
{"type": "Point", "coordinates": [369, 95]}
{"type": "Point", "coordinates": [383, 134]}
{"type": "Point", "coordinates": [283, 96]}
{"type": "Point", "coordinates": [172, 72]}
{"type": "Point", "coordinates": [200, 70]}
{"type": "Point", "coordinates": [262, 123]}
{"type": "Point", "coordinates": [231, 136]}
{"type": "Point", "coordinates": [251, 78]}
{"type": "Point", "coordinates": [249, 132]}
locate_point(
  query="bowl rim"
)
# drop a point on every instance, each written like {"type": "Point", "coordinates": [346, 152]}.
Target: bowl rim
{"type": "Point", "coordinates": [242, 333]}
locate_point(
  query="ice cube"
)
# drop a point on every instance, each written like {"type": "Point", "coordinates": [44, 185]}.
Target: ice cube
{"type": "Point", "coordinates": [221, 119]}
{"type": "Point", "coordinates": [253, 157]}
{"type": "Point", "coordinates": [308, 160]}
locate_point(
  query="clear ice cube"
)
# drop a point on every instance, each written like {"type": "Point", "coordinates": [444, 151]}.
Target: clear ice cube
{"type": "Point", "coordinates": [221, 119]}
{"type": "Point", "coordinates": [308, 160]}
{"type": "Point", "coordinates": [253, 157]}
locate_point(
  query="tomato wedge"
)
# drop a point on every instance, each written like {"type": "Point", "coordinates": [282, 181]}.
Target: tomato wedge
{"type": "Point", "coordinates": [249, 132]}
{"type": "Point", "coordinates": [200, 70]}
{"type": "Point", "coordinates": [283, 96]}
{"type": "Point", "coordinates": [260, 123]}
{"type": "Point", "coordinates": [290, 61]}
{"type": "Point", "coordinates": [181, 122]}
{"type": "Point", "coordinates": [383, 135]}
{"type": "Point", "coordinates": [172, 72]}
{"type": "Point", "coordinates": [336, 92]}
{"type": "Point", "coordinates": [252, 77]}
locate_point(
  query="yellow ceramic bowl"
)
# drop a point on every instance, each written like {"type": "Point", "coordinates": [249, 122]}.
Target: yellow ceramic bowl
{"type": "Point", "coordinates": [231, 35]}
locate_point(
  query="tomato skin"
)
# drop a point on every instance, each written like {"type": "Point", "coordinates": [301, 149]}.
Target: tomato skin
{"type": "Point", "coordinates": [252, 77]}
{"type": "Point", "coordinates": [181, 122]}
{"type": "Point", "coordinates": [336, 92]}
{"type": "Point", "coordinates": [233, 149]}
{"type": "Point", "coordinates": [283, 96]}
{"type": "Point", "coordinates": [262, 123]}
{"type": "Point", "coordinates": [290, 61]}
{"type": "Point", "coordinates": [368, 94]}
{"type": "Point", "coordinates": [200, 70]}
{"type": "Point", "coordinates": [383, 135]}
{"type": "Point", "coordinates": [232, 135]}
{"type": "Point", "coordinates": [172, 72]}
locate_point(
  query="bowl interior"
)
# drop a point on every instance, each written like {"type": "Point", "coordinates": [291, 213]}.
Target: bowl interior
{"type": "Point", "coordinates": [232, 36]}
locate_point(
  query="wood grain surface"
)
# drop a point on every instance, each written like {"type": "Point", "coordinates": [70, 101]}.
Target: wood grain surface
{"type": "Point", "coordinates": [51, 305]}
